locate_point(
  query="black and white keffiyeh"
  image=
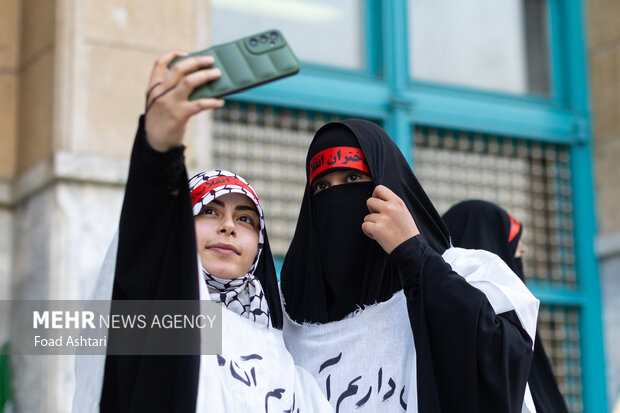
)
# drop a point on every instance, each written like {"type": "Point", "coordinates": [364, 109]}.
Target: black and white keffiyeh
{"type": "Point", "coordinates": [243, 295]}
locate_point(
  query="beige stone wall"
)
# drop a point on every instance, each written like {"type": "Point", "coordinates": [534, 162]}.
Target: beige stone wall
{"type": "Point", "coordinates": [9, 47]}
{"type": "Point", "coordinates": [604, 59]}
{"type": "Point", "coordinates": [36, 86]}
{"type": "Point", "coordinates": [117, 43]}
{"type": "Point", "coordinates": [72, 80]}
{"type": "Point", "coordinates": [113, 47]}
{"type": "Point", "coordinates": [73, 74]}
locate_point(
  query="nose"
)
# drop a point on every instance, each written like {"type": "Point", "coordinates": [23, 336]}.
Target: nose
{"type": "Point", "coordinates": [227, 225]}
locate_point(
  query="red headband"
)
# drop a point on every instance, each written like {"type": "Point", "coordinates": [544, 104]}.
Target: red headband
{"type": "Point", "coordinates": [199, 192]}
{"type": "Point", "coordinates": [338, 157]}
{"type": "Point", "coordinates": [515, 226]}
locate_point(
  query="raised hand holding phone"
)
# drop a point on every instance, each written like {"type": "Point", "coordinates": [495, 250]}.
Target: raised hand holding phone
{"type": "Point", "coordinates": [167, 107]}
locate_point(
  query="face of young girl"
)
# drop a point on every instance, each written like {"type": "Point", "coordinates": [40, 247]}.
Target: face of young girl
{"type": "Point", "coordinates": [227, 235]}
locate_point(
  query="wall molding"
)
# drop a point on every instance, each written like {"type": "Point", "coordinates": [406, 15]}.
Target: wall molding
{"type": "Point", "coordinates": [6, 193]}
{"type": "Point", "coordinates": [91, 168]}
{"type": "Point", "coordinates": [608, 246]}
{"type": "Point", "coordinates": [64, 167]}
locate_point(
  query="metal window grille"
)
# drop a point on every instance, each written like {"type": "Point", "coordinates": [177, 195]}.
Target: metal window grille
{"type": "Point", "coordinates": [531, 180]}
{"type": "Point", "coordinates": [558, 328]}
{"type": "Point", "coordinates": [267, 146]}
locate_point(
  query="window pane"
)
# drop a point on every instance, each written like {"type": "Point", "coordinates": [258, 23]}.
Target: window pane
{"type": "Point", "coordinates": [531, 180]}
{"type": "Point", "coordinates": [484, 44]}
{"type": "Point", "coordinates": [267, 145]}
{"type": "Point", "coordinates": [319, 31]}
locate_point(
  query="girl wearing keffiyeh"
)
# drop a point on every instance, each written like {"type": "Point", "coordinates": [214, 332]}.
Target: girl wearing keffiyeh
{"type": "Point", "coordinates": [166, 221]}
{"type": "Point", "coordinates": [230, 234]}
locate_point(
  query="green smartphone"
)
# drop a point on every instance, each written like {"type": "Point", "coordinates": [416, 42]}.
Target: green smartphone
{"type": "Point", "coordinates": [246, 63]}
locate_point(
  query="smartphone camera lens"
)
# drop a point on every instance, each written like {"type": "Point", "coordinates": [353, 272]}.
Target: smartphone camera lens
{"type": "Point", "coordinates": [253, 42]}
{"type": "Point", "coordinates": [263, 39]}
{"type": "Point", "coordinates": [273, 35]}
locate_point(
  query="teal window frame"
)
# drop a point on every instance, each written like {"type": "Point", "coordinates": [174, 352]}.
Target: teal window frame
{"type": "Point", "coordinates": [384, 91]}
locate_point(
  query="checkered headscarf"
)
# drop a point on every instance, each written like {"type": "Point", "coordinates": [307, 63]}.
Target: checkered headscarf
{"type": "Point", "coordinates": [243, 295]}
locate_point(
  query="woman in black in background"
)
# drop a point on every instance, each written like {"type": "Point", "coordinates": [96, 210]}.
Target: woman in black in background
{"type": "Point", "coordinates": [483, 225]}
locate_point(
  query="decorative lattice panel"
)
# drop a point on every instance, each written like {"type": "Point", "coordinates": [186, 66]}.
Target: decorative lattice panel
{"type": "Point", "coordinates": [558, 328]}
{"type": "Point", "coordinates": [532, 181]}
{"type": "Point", "coordinates": [268, 146]}
{"type": "Point", "coordinates": [529, 179]}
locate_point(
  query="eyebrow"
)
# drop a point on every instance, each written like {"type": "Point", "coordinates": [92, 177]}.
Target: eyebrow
{"type": "Point", "coordinates": [246, 208]}
{"type": "Point", "coordinates": [237, 208]}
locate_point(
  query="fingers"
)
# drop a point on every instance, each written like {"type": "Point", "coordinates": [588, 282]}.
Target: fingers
{"type": "Point", "coordinates": [383, 199]}
{"type": "Point", "coordinates": [167, 106]}
{"type": "Point", "coordinates": [375, 205]}
{"type": "Point", "coordinates": [389, 223]}
{"type": "Point", "coordinates": [384, 193]}
{"type": "Point", "coordinates": [368, 228]}
{"type": "Point", "coordinates": [200, 105]}
{"type": "Point", "coordinates": [160, 66]}
{"type": "Point", "coordinates": [164, 79]}
{"type": "Point", "coordinates": [181, 70]}
{"type": "Point", "coordinates": [165, 59]}
{"type": "Point", "coordinates": [191, 64]}
{"type": "Point", "coordinates": [373, 224]}
{"type": "Point", "coordinates": [181, 79]}
{"type": "Point", "coordinates": [195, 79]}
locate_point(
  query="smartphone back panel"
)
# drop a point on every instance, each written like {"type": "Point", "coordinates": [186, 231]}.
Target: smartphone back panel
{"type": "Point", "coordinates": [246, 63]}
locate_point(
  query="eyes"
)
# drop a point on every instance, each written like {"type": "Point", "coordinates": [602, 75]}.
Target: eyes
{"type": "Point", "coordinates": [319, 186]}
{"type": "Point", "coordinates": [353, 177]}
{"type": "Point", "coordinates": [338, 178]}
{"type": "Point", "coordinates": [243, 217]}
{"type": "Point", "coordinates": [207, 211]}
{"type": "Point", "coordinates": [247, 220]}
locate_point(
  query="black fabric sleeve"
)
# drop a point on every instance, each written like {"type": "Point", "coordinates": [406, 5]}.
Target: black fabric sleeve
{"type": "Point", "coordinates": [156, 231]}
{"type": "Point", "coordinates": [543, 385]}
{"type": "Point", "coordinates": [156, 260]}
{"type": "Point", "coordinates": [468, 358]}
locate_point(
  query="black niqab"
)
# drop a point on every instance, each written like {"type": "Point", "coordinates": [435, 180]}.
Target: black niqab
{"type": "Point", "coordinates": [331, 267]}
{"type": "Point", "coordinates": [468, 358]}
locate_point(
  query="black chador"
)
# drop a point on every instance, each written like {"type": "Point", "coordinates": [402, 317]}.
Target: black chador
{"type": "Point", "coordinates": [483, 225]}
{"type": "Point", "coordinates": [467, 357]}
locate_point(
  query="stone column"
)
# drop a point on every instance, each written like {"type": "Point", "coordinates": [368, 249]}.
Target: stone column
{"type": "Point", "coordinates": [604, 55]}
{"type": "Point", "coordinates": [9, 48]}
{"type": "Point", "coordinates": [72, 80]}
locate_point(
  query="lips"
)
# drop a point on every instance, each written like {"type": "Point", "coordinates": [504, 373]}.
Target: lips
{"type": "Point", "coordinates": [225, 249]}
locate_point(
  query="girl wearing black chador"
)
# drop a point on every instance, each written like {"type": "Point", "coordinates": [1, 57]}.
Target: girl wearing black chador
{"type": "Point", "coordinates": [483, 225]}
{"type": "Point", "coordinates": [380, 308]}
